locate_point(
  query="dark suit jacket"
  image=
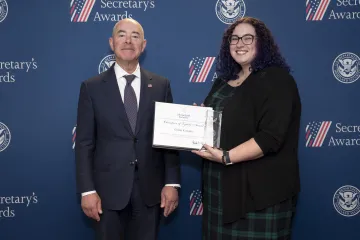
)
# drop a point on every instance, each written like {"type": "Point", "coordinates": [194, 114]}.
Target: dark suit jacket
{"type": "Point", "coordinates": [106, 147]}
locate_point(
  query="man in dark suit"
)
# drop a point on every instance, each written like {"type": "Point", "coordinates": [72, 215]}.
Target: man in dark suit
{"type": "Point", "coordinates": [124, 182]}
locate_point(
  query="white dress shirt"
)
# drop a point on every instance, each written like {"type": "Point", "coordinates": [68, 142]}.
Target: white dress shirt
{"type": "Point", "coordinates": [136, 84]}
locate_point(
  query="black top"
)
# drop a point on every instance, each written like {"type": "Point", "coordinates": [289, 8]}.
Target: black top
{"type": "Point", "coordinates": [266, 107]}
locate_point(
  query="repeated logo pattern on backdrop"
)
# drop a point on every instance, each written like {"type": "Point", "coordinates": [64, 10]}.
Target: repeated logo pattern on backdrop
{"type": "Point", "coordinates": [322, 134]}
{"type": "Point", "coordinates": [316, 133]}
{"type": "Point", "coordinates": [316, 9]}
{"type": "Point", "coordinates": [9, 205]}
{"type": "Point", "coordinates": [196, 205]}
{"type": "Point", "coordinates": [229, 10]}
{"type": "Point", "coordinates": [5, 137]}
{"type": "Point", "coordinates": [346, 67]}
{"type": "Point", "coordinates": [3, 10]}
{"type": "Point", "coordinates": [73, 139]}
{"type": "Point", "coordinates": [319, 10]}
{"type": "Point", "coordinates": [8, 69]}
{"type": "Point", "coordinates": [80, 10]}
{"type": "Point", "coordinates": [106, 63]}
{"type": "Point", "coordinates": [346, 201]}
{"type": "Point", "coordinates": [330, 139]}
{"type": "Point", "coordinates": [107, 10]}
{"type": "Point", "coordinates": [199, 68]}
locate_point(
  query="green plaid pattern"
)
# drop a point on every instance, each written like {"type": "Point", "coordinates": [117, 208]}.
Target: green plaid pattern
{"type": "Point", "coordinates": [271, 223]}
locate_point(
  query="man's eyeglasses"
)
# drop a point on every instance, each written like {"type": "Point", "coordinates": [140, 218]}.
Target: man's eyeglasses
{"type": "Point", "coordinates": [247, 39]}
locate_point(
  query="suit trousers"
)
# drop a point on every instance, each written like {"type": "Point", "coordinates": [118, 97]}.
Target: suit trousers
{"type": "Point", "coordinates": [136, 221]}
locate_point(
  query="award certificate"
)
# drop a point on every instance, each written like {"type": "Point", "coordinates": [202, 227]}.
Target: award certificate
{"type": "Point", "coordinates": [185, 127]}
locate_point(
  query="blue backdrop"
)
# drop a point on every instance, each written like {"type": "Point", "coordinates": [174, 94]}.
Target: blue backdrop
{"type": "Point", "coordinates": [48, 47]}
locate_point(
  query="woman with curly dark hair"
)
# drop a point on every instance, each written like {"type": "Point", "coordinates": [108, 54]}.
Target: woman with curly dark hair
{"type": "Point", "coordinates": [250, 185]}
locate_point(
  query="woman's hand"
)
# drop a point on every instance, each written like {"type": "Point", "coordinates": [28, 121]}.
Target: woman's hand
{"type": "Point", "coordinates": [210, 153]}
{"type": "Point", "coordinates": [202, 105]}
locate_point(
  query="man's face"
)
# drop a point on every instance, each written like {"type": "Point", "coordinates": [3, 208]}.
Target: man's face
{"type": "Point", "coordinates": [127, 41]}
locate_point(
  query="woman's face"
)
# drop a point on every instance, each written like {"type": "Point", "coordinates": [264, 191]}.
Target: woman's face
{"type": "Point", "coordinates": [243, 50]}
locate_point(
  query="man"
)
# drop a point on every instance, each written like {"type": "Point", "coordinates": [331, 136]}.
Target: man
{"type": "Point", "coordinates": [122, 179]}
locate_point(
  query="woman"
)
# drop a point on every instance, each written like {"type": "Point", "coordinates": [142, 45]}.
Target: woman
{"type": "Point", "coordinates": [250, 185]}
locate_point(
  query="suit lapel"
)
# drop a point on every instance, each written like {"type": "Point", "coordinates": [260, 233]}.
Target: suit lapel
{"type": "Point", "coordinates": [144, 98]}
{"type": "Point", "coordinates": [114, 96]}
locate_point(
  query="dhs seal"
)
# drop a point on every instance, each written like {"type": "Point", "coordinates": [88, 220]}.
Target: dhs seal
{"type": "Point", "coordinates": [228, 11]}
{"type": "Point", "coordinates": [3, 10]}
{"type": "Point", "coordinates": [106, 63]}
{"type": "Point", "coordinates": [346, 201]}
{"type": "Point", "coordinates": [5, 137]}
{"type": "Point", "coordinates": [346, 67]}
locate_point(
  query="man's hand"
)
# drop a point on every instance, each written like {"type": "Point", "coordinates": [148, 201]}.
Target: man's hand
{"type": "Point", "coordinates": [169, 199]}
{"type": "Point", "coordinates": [91, 205]}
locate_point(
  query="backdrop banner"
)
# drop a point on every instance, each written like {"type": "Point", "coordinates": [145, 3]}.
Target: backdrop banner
{"type": "Point", "coordinates": [49, 47]}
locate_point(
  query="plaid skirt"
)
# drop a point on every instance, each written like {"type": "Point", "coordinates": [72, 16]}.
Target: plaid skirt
{"type": "Point", "coordinates": [271, 223]}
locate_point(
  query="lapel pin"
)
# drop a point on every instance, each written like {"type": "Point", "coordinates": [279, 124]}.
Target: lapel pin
{"type": "Point", "coordinates": [149, 85]}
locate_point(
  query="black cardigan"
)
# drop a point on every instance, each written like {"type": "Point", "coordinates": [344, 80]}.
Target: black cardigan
{"type": "Point", "coordinates": [265, 107]}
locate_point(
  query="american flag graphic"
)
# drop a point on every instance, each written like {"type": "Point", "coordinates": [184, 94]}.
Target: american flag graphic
{"type": "Point", "coordinates": [73, 137]}
{"type": "Point", "coordinates": [81, 9]}
{"type": "Point", "coordinates": [316, 133]}
{"type": "Point", "coordinates": [315, 9]}
{"type": "Point", "coordinates": [196, 205]}
{"type": "Point", "coordinates": [200, 68]}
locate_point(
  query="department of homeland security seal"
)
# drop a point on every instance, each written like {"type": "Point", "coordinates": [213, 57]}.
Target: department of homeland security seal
{"type": "Point", "coordinates": [346, 67]}
{"type": "Point", "coordinates": [228, 11]}
{"type": "Point", "coordinates": [106, 63]}
{"type": "Point", "coordinates": [5, 137]}
{"type": "Point", "coordinates": [3, 10]}
{"type": "Point", "coordinates": [346, 201]}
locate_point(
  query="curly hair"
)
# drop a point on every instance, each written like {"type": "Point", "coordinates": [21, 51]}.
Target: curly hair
{"type": "Point", "coordinates": [268, 53]}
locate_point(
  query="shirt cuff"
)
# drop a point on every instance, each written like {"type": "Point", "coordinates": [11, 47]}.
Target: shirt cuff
{"type": "Point", "coordinates": [87, 193]}
{"type": "Point", "coordinates": [173, 185]}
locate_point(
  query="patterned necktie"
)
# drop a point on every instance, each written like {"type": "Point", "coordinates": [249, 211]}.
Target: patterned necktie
{"type": "Point", "coordinates": [130, 101]}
